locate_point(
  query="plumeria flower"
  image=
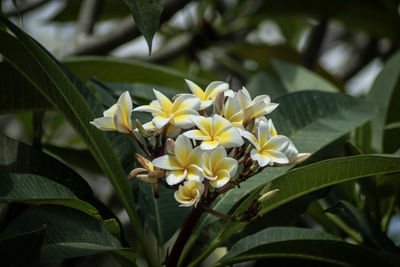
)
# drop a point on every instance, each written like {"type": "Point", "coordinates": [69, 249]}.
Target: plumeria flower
{"type": "Point", "coordinates": [178, 114]}
{"type": "Point", "coordinates": [184, 164]}
{"type": "Point", "coordinates": [267, 149]}
{"type": "Point", "coordinates": [215, 131]}
{"type": "Point", "coordinates": [207, 97]}
{"type": "Point", "coordinates": [117, 117]}
{"type": "Point", "coordinates": [259, 106]}
{"type": "Point", "coordinates": [217, 167]}
{"type": "Point", "coordinates": [233, 113]}
{"type": "Point", "coordinates": [189, 194]}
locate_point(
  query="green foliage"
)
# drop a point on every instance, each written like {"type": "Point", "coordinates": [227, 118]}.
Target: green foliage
{"type": "Point", "coordinates": [147, 16]}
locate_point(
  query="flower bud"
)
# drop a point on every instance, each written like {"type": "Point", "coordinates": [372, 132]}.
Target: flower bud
{"type": "Point", "coordinates": [135, 172]}
{"type": "Point", "coordinates": [300, 158]}
{"type": "Point", "coordinates": [141, 129]}
{"type": "Point", "coordinates": [219, 103]}
{"type": "Point", "coordinates": [268, 195]}
{"type": "Point", "coordinates": [145, 178]}
{"type": "Point", "coordinates": [145, 162]}
{"type": "Point", "coordinates": [157, 174]}
{"type": "Point", "coordinates": [170, 146]}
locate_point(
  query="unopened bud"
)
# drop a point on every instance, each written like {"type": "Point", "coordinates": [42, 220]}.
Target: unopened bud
{"type": "Point", "coordinates": [145, 178]}
{"type": "Point", "coordinates": [141, 129]}
{"type": "Point", "coordinates": [135, 172]}
{"type": "Point", "coordinates": [268, 195]}
{"type": "Point", "coordinates": [157, 174]}
{"type": "Point", "coordinates": [145, 162]}
{"type": "Point", "coordinates": [170, 146]}
{"type": "Point", "coordinates": [254, 167]}
{"type": "Point", "coordinates": [219, 103]}
{"type": "Point", "coordinates": [300, 158]}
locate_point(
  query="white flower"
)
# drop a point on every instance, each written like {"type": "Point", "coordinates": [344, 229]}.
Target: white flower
{"type": "Point", "coordinates": [232, 111]}
{"type": "Point", "coordinates": [267, 149]}
{"type": "Point", "coordinates": [185, 164]}
{"type": "Point", "coordinates": [217, 167]}
{"type": "Point", "coordinates": [259, 106]}
{"type": "Point", "coordinates": [117, 117]}
{"type": "Point", "coordinates": [178, 114]}
{"type": "Point", "coordinates": [207, 97]}
{"type": "Point", "coordinates": [189, 194]}
{"type": "Point", "coordinates": [215, 131]}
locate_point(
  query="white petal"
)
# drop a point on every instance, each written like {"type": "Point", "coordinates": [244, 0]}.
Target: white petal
{"type": "Point", "coordinates": [163, 101]}
{"type": "Point", "coordinates": [182, 149]}
{"type": "Point", "coordinates": [262, 133]}
{"type": "Point", "coordinates": [279, 143]}
{"type": "Point", "coordinates": [196, 135]}
{"type": "Point", "coordinates": [104, 123]}
{"type": "Point", "coordinates": [195, 89]}
{"type": "Point", "coordinates": [209, 144]}
{"type": "Point", "coordinates": [111, 111]}
{"type": "Point", "coordinates": [262, 160]}
{"type": "Point", "coordinates": [230, 138]}
{"type": "Point", "coordinates": [204, 124]}
{"type": "Point", "coordinates": [264, 98]}
{"type": "Point", "coordinates": [271, 107]}
{"type": "Point", "coordinates": [186, 101]}
{"type": "Point", "coordinates": [214, 88]}
{"type": "Point", "coordinates": [278, 157]}
{"type": "Point", "coordinates": [205, 104]}
{"type": "Point", "coordinates": [167, 162]}
{"type": "Point", "coordinates": [229, 93]}
{"type": "Point", "coordinates": [125, 103]}
{"type": "Point", "coordinates": [183, 118]}
{"type": "Point", "coordinates": [148, 108]}
{"type": "Point", "coordinates": [221, 180]}
{"type": "Point", "coordinates": [122, 121]}
{"type": "Point", "coordinates": [249, 136]}
{"type": "Point", "coordinates": [160, 121]}
{"type": "Point", "coordinates": [175, 177]}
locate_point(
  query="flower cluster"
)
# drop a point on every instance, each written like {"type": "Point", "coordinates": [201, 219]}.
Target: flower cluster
{"type": "Point", "coordinates": [205, 143]}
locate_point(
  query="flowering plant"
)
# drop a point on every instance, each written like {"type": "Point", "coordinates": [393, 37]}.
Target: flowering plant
{"type": "Point", "coordinates": [203, 144]}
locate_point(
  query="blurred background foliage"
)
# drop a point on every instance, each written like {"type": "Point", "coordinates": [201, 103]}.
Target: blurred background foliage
{"type": "Point", "coordinates": [271, 47]}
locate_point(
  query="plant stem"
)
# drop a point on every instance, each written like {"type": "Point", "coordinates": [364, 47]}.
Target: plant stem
{"type": "Point", "coordinates": [184, 235]}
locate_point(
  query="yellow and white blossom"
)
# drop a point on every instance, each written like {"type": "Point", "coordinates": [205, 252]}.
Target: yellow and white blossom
{"type": "Point", "coordinates": [291, 151]}
{"type": "Point", "coordinates": [207, 97]}
{"type": "Point", "coordinates": [267, 149]}
{"type": "Point", "coordinates": [178, 113]}
{"type": "Point", "coordinates": [259, 106]}
{"type": "Point", "coordinates": [232, 111]}
{"type": "Point", "coordinates": [215, 131]}
{"type": "Point", "coordinates": [189, 193]}
{"type": "Point", "coordinates": [217, 167]}
{"type": "Point", "coordinates": [117, 117]}
{"type": "Point", "coordinates": [184, 164]}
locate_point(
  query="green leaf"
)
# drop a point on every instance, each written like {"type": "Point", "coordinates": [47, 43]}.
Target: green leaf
{"type": "Point", "coordinates": [16, 157]}
{"type": "Point", "coordinates": [265, 83]}
{"type": "Point", "coordinates": [384, 94]}
{"type": "Point", "coordinates": [312, 120]}
{"type": "Point", "coordinates": [304, 180]}
{"type": "Point", "coordinates": [127, 71]}
{"type": "Point", "coordinates": [368, 229]}
{"type": "Point", "coordinates": [37, 190]}
{"type": "Point", "coordinates": [78, 157]}
{"type": "Point", "coordinates": [297, 78]}
{"type": "Point", "coordinates": [163, 215]}
{"type": "Point", "coordinates": [69, 233]}
{"type": "Point", "coordinates": [17, 94]}
{"type": "Point", "coordinates": [76, 102]}
{"type": "Point", "coordinates": [22, 249]}
{"type": "Point", "coordinates": [147, 16]}
{"type": "Point", "coordinates": [304, 244]}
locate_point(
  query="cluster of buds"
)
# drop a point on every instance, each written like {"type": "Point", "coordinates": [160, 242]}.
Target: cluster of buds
{"type": "Point", "coordinates": [205, 143]}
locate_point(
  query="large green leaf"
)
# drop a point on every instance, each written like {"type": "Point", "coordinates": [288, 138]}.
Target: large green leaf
{"type": "Point", "coordinates": [69, 233]}
{"type": "Point", "coordinates": [17, 157]}
{"type": "Point", "coordinates": [312, 120]}
{"type": "Point", "coordinates": [17, 94]}
{"type": "Point", "coordinates": [147, 16]}
{"type": "Point", "coordinates": [265, 83]}
{"type": "Point", "coordinates": [356, 219]}
{"type": "Point", "coordinates": [37, 190]}
{"type": "Point", "coordinates": [163, 215]}
{"type": "Point", "coordinates": [297, 78]}
{"type": "Point", "coordinates": [304, 180]}
{"type": "Point", "coordinates": [127, 71]}
{"type": "Point", "coordinates": [304, 243]}
{"type": "Point", "coordinates": [384, 94]}
{"type": "Point", "coordinates": [22, 249]}
{"type": "Point", "coordinates": [46, 75]}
